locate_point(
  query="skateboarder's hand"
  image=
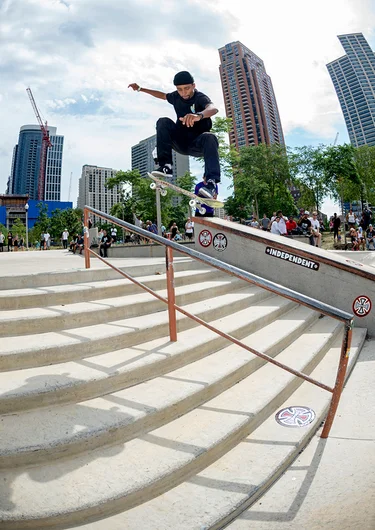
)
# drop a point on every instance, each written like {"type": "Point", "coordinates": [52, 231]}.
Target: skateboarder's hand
{"type": "Point", "coordinates": [190, 119]}
{"type": "Point", "coordinates": [134, 86]}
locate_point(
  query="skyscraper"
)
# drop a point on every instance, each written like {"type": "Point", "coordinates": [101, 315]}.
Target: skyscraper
{"type": "Point", "coordinates": [353, 77]}
{"type": "Point", "coordinates": [143, 160]}
{"type": "Point", "coordinates": [93, 191]}
{"type": "Point", "coordinates": [26, 161]}
{"type": "Point", "coordinates": [249, 97]}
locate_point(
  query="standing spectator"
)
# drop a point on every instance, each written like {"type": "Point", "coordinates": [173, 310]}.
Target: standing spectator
{"type": "Point", "coordinates": [290, 225]}
{"type": "Point", "coordinates": [65, 236]}
{"type": "Point", "coordinates": [47, 240]}
{"type": "Point", "coordinates": [174, 231]}
{"type": "Point", "coordinates": [21, 244]}
{"type": "Point", "coordinates": [315, 229]}
{"type": "Point", "coordinates": [336, 223]}
{"type": "Point", "coordinates": [367, 218]}
{"type": "Point", "coordinates": [10, 241]}
{"type": "Point", "coordinates": [350, 219]}
{"type": "Point", "coordinates": [15, 243]}
{"type": "Point", "coordinates": [42, 241]}
{"type": "Point", "coordinates": [105, 244]}
{"type": "Point", "coordinates": [2, 239]}
{"type": "Point", "coordinates": [114, 234]}
{"type": "Point", "coordinates": [282, 223]}
{"type": "Point", "coordinates": [370, 238]}
{"type": "Point", "coordinates": [265, 222]}
{"type": "Point", "coordinates": [189, 229]}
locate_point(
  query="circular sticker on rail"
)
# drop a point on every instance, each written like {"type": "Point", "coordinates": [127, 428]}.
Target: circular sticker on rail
{"type": "Point", "coordinates": [362, 306]}
{"type": "Point", "coordinates": [220, 242]}
{"type": "Point", "coordinates": [295, 416]}
{"type": "Point", "coordinates": [205, 238]}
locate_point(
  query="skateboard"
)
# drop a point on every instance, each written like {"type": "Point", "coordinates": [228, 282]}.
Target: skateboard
{"type": "Point", "coordinates": [195, 200]}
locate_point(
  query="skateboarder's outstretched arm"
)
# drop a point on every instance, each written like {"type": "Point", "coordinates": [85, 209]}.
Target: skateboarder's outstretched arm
{"type": "Point", "coordinates": [155, 93]}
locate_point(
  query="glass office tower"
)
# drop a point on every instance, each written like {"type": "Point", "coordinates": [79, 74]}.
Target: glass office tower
{"type": "Point", "coordinates": [353, 77]}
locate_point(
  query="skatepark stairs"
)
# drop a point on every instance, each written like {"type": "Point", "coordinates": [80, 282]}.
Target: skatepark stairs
{"type": "Point", "coordinates": [107, 424]}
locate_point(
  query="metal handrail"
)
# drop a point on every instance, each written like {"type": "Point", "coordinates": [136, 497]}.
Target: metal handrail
{"type": "Point", "coordinates": [285, 292]}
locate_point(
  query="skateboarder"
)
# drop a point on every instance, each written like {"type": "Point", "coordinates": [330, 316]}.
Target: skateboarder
{"type": "Point", "coordinates": [190, 134]}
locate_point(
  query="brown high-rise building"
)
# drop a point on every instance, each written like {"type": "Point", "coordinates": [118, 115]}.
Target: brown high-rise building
{"type": "Point", "coordinates": [249, 97]}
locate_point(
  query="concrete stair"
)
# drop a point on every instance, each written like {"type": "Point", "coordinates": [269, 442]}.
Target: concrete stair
{"type": "Point", "coordinates": [101, 414]}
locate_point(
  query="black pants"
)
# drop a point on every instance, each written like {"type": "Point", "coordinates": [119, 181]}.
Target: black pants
{"type": "Point", "coordinates": [103, 249]}
{"type": "Point", "coordinates": [65, 243]}
{"type": "Point", "coordinates": [183, 140]}
{"type": "Point", "coordinates": [1, 247]}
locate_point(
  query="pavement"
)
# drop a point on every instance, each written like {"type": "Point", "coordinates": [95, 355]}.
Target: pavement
{"type": "Point", "coordinates": [331, 485]}
{"type": "Point", "coordinates": [34, 261]}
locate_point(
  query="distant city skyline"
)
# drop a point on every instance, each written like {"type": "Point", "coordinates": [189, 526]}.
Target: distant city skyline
{"type": "Point", "coordinates": [93, 191]}
{"type": "Point", "coordinates": [25, 166]}
{"type": "Point", "coordinates": [353, 77]}
{"type": "Point", "coordinates": [249, 97]}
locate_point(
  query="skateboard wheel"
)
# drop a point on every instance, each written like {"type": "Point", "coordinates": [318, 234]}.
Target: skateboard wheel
{"type": "Point", "coordinates": [153, 185]}
{"type": "Point", "coordinates": [192, 203]}
{"type": "Point", "coordinates": [202, 210]}
{"type": "Point", "coordinates": [163, 192]}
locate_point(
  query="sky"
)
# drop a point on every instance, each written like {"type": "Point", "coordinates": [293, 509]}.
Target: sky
{"type": "Point", "coordinates": [79, 56]}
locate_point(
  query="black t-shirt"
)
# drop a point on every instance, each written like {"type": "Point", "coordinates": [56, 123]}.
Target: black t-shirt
{"type": "Point", "coordinates": [305, 224]}
{"type": "Point", "coordinates": [336, 222]}
{"type": "Point", "coordinates": [195, 104]}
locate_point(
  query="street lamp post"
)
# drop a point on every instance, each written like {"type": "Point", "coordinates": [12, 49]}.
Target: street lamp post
{"type": "Point", "coordinates": [27, 226]}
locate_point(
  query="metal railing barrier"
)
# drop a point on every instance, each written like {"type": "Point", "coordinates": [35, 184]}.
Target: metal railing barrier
{"type": "Point", "coordinates": [299, 298]}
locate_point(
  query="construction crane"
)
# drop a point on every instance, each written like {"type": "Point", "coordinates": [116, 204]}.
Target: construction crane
{"type": "Point", "coordinates": [46, 143]}
{"type": "Point", "coordinates": [337, 136]}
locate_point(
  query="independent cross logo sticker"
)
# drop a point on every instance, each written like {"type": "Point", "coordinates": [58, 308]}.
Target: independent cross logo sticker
{"type": "Point", "coordinates": [295, 416]}
{"type": "Point", "coordinates": [362, 306]}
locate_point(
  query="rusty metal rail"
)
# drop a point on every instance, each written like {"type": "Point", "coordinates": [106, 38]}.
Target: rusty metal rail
{"type": "Point", "coordinates": [299, 298]}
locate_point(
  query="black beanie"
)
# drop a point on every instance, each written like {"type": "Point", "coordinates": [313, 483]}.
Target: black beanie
{"type": "Point", "coordinates": [183, 78]}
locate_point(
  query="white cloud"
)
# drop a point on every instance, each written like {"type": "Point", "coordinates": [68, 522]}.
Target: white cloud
{"type": "Point", "coordinates": [79, 57]}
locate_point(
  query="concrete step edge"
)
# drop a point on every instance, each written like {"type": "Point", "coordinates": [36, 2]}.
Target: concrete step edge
{"type": "Point", "coordinates": [97, 272]}
{"type": "Point", "coordinates": [174, 457]}
{"type": "Point", "coordinates": [56, 347]}
{"type": "Point", "coordinates": [56, 318]}
{"type": "Point", "coordinates": [46, 386]}
{"type": "Point", "coordinates": [87, 291]}
{"type": "Point", "coordinates": [238, 363]}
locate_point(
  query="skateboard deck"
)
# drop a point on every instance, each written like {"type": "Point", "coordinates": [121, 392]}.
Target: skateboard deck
{"type": "Point", "coordinates": [196, 200]}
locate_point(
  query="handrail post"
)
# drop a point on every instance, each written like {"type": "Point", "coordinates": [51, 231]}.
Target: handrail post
{"type": "Point", "coordinates": [340, 379]}
{"type": "Point", "coordinates": [171, 295]}
{"type": "Point", "coordinates": [86, 237]}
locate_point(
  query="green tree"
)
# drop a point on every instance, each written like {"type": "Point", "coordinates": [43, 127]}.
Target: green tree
{"type": "Point", "coordinates": [142, 201]}
{"type": "Point", "coordinates": [261, 181]}
{"type": "Point", "coordinates": [19, 229]}
{"type": "Point", "coordinates": [364, 159]}
{"type": "Point", "coordinates": [342, 178]}
{"type": "Point", "coordinates": [70, 219]}
{"type": "Point", "coordinates": [309, 164]}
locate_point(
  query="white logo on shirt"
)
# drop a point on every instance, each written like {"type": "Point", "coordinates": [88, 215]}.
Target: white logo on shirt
{"type": "Point", "coordinates": [192, 108]}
